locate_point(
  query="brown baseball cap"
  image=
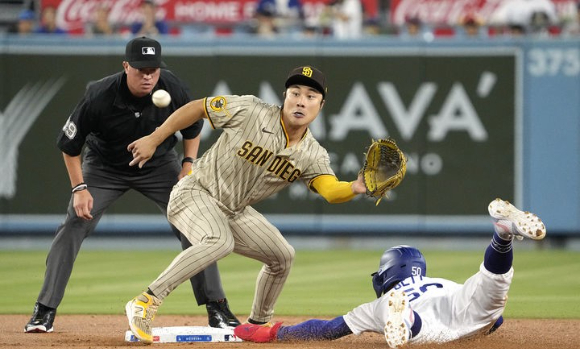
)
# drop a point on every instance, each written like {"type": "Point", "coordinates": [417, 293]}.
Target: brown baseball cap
{"type": "Point", "coordinates": [144, 52]}
{"type": "Point", "coordinates": [308, 76]}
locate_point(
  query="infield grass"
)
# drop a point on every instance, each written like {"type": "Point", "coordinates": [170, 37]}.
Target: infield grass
{"type": "Point", "coordinates": [321, 284]}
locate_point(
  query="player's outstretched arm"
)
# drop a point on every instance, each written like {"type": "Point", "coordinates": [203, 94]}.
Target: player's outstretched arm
{"type": "Point", "coordinates": [335, 191]}
{"type": "Point", "coordinates": [144, 147]}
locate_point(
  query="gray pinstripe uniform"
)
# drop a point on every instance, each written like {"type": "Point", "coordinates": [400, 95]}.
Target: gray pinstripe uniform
{"type": "Point", "coordinates": [249, 162]}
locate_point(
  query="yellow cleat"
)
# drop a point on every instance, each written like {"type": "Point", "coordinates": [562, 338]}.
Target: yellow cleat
{"type": "Point", "coordinates": [141, 311]}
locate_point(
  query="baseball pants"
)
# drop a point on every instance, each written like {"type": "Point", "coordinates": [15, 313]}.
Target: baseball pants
{"type": "Point", "coordinates": [215, 232]}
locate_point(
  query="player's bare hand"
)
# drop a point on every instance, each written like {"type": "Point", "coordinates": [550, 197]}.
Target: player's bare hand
{"type": "Point", "coordinates": [142, 150]}
{"type": "Point", "coordinates": [83, 204]}
{"type": "Point", "coordinates": [358, 186]}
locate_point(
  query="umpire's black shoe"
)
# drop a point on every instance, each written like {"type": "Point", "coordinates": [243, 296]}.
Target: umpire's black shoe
{"type": "Point", "coordinates": [41, 320]}
{"type": "Point", "coordinates": [219, 314]}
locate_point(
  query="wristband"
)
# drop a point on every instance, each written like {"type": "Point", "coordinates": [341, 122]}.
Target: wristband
{"type": "Point", "coordinates": [186, 159]}
{"type": "Point", "coordinates": [79, 187]}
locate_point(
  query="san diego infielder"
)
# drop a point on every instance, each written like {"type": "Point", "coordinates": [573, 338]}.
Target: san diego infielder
{"type": "Point", "coordinates": [263, 149]}
{"type": "Point", "coordinates": [414, 308]}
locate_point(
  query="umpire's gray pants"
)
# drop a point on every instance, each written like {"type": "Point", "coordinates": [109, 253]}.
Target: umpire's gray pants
{"type": "Point", "coordinates": [106, 187]}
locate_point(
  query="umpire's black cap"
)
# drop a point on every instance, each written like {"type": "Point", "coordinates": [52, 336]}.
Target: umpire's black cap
{"type": "Point", "coordinates": [308, 76]}
{"type": "Point", "coordinates": [144, 52]}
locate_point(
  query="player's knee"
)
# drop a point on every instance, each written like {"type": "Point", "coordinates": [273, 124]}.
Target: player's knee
{"type": "Point", "coordinates": [223, 245]}
{"type": "Point", "coordinates": [285, 260]}
{"type": "Point", "coordinates": [229, 247]}
{"type": "Point", "coordinates": [291, 252]}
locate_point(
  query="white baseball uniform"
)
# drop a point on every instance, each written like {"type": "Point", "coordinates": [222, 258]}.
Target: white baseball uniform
{"type": "Point", "coordinates": [250, 161]}
{"type": "Point", "coordinates": [448, 310]}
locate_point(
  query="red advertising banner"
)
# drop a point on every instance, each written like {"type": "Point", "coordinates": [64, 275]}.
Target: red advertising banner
{"type": "Point", "coordinates": [72, 14]}
{"type": "Point", "coordinates": [451, 12]}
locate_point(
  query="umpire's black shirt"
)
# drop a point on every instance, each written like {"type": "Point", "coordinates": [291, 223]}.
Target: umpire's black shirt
{"type": "Point", "coordinates": [108, 118]}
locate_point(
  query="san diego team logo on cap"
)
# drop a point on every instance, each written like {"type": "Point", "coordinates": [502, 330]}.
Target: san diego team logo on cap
{"type": "Point", "coordinates": [307, 71]}
{"type": "Point", "coordinates": [150, 51]}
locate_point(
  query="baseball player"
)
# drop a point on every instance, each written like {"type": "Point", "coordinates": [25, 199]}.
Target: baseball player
{"type": "Point", "coordinates": [263, 148]}
{"type": "Point", "coordinates": [413, 308]}
{"type": "Point", "coordinates": [114, 112]}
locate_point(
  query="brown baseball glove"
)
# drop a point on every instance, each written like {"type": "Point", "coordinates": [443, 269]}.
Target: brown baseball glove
{"type": "Point", "coordinates": [384, 168]}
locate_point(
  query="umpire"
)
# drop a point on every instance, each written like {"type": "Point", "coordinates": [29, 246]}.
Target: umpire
{"type": "Point", "coordinates": [114, 112]}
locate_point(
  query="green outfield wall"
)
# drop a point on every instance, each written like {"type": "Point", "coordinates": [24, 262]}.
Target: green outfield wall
{"type": "Point", "coordinates": [458, 112]}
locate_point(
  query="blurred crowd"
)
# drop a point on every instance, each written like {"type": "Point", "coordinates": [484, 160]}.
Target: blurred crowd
{"type": "Point", "coordinates": [341, 19]}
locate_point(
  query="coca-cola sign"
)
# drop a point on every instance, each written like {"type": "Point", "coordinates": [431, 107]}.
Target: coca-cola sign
{"type": "Point", "coordinates": [73, 14]}
{"type": "Point", "coordinates": [452, 12]}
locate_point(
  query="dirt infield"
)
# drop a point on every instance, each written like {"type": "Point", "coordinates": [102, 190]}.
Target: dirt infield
{"type": "Point", "coordinates": [101, 331]}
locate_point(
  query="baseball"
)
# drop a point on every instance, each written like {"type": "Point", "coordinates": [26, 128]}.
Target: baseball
{"type": "Point", "coordinates": [161, 98]}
